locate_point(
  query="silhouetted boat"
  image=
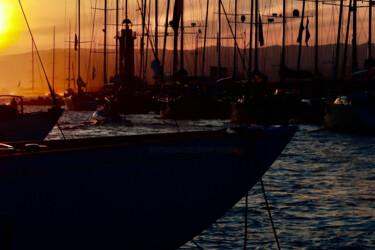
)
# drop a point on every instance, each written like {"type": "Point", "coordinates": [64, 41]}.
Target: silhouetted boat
{"type": "Point", "coordinates": [15, 125]}
{"type": "Point", "coordinates": [350, 115]}
{"type": "Point", "coordinates": [133, 192]}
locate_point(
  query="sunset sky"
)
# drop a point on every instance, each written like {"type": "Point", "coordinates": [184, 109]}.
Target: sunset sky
{"type": "Point", "coordinates": [44, 15]}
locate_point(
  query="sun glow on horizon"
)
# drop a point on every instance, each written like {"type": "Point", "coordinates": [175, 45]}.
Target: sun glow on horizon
{"type": "Point", "coordinates": [8, 23]}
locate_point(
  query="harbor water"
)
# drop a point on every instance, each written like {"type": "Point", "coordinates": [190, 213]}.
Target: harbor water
{"type": "Point", "coordinates": [321, 189]}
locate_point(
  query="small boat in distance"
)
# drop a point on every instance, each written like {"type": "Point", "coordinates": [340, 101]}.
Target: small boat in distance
{"type": "Point", "coordinates": [16, 125]}
{"type": "Point", "coordinates": [153, 191]}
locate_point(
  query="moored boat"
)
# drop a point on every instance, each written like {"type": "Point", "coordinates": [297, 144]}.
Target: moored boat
{"type": "Point", "coordinates": [135, 192]}
{"type": "Point", "coordinates": [16, 125]}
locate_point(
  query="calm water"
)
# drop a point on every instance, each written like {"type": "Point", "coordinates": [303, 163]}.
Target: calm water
{"type": "Point", "coordinates": [321, 189]}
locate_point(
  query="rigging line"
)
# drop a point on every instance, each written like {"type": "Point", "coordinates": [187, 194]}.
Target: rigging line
{"type": "Point", "coordinates": [197, 245]}
{"type": "Point", "coordinates": [231, 30]}
{"type": "Point", "coordinates": [40, 59]}
{"type": "Point", "coordinates": [252, 148]}
{"type": "Point", "coordinates": [58, 125]}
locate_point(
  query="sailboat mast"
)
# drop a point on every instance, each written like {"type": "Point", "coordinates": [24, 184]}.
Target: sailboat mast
{"type": "Point", "coordinates": [143, 12]}
{"type": "Point", "coordinates": [338, 41]}
{"type": "Point", "coordinates": [283, 38]}
{"type": "Point", "coordinates": [105, 42]}
{"type": "Point", "coordinates": [165, 34]}
{"type": "Point", "coordinates": [116, 59]}
{"type": "Point", "coordinates": [346, 40]}
{"type": "Point", "coordinates": [316, 36]}
{"type": "Point", "coordinates": [53, 60]}
{"type": "Point", "coordinates": [300, 34]}
{"type": "Point", "coordinates": [69, 57]}
{"type": "Point", "coordinates": [354, 57]}
{"type": "Point", "coordinates": [251, 38]}
{"type": "Point", "coordinates": [370, 30]}
{"type": "Point", "coordinates": [219, 41]}
{"type": "Point", "coordinates": [32, 66]}
{"type": "Point", "coordinates": [204, 44]}
{"type": "Point", "coordinates": [156, 28]}
{"type": "Point", "coordinates": [182, 37]}
{"type": "Point", "coordinates": [235, 40]}
{"type": "Point", "coordinates": [79, 38]}
{"type": "Point", "coordinates": [256, 36]}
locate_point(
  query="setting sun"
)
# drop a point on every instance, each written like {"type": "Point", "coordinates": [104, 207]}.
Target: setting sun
{"type": "Point", "coordinates": [8, 22]}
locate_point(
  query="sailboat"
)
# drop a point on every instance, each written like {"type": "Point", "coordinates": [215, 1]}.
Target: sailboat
{"type": "Point", "coordinates": [16, 125]}
{"type": "Point", "coordinates": [80, 100]}
{"type": "Point", "coordinates": [129, 192]}
{"type": "Point", "coordinates": [153, 191]}
{"type": "Point", "coordinates": [354, 110]}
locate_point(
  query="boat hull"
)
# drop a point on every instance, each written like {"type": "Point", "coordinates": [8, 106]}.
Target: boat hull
{"type": "Point", "coordinates": [349, 118]}
{"type": "Point", "coordinates": [75, 103]}
{"type": "Point", "coordinates": [30, 126]}
{"type": "Point", "coordinates": [153, 192]}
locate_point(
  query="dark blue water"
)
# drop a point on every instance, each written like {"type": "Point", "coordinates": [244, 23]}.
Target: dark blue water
{"type": "Point", "coordinates": [322, 195]}
{"type": "Point", "coordinates": [321, 189]}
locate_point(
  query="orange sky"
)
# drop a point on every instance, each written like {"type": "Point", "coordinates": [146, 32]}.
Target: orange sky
{"type": "Point", "coordinates": [43, 15]}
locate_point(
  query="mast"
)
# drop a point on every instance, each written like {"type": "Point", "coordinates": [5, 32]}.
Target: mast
{"type": "Point", "coordinates": [256, 36]}
{"type": "Point", "coordinates": [116, 59]}
{"type": "Point", "coordinates": [283, 42]}
{"type": "Point", "coordinates": [165, 34]}
{"type": "Point", "coordinates": [53, 60]}
{"type": "Point", "coordinates": [105, 43]}
{"type": "Point", "coordinates": [156, 28]}
{"type": "Point", "coordinates": [346, 40]}
{"type": "Point", "coordinates": [69, 58]}
{"type": "Point", "coordinates": [370, 31]}
{"type": "Point", "coordinates": [251, 38]}
{"type": "Point", "coordinates": [175, 24]}
{"type": "Point", "coordinates": [316, 36]}
{"type": "Point", "coordinates": [196, 56]}
{"type": "Point", "coordinates": [300, 36]}
{"type": "Point", "coordinates": [144, 6]}
{"type": "Point", "coordinates": [338, 41]}
{"type": "Point", "coordinates": [204, 43]}
{"type": "Point", "coordinates": [182, 37]}
{"type": "Point", "coordinates": [219, 41]}
{"type": "Point", "coordinates": [235, 40]}
{"type": "Point", "coordinates": [79, 38]}
{"type": "Point", "coordinates": [354, 56]}
{"type": "Point", "coordinates": [32, 66]}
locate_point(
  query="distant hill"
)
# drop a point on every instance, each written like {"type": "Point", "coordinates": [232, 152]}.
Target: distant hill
{"type": "Point", "coordinates": [15, 70]}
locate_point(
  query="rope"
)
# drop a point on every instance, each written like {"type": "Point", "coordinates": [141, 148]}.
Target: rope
{"type": "Point", "coordinates": [58, 125]}
{"type": "Point", "coordinates": [269, 214]}
{"type": "Point", "coordinates": [264, 195]}
{"type": "Point", "coordinates": [178, 128]}
{"type": "Point", "coordinates": [197, 244]}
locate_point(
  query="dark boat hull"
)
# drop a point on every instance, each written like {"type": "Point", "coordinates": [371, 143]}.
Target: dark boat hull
{"type": "Point", "coordinates": [75, 103]}
{"type": "Point", "coordinates": [29, 126]}
{"type": "Point", "coordinates": [137, 192]}
{"type": "Point", "coordinates": [350, 118]}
